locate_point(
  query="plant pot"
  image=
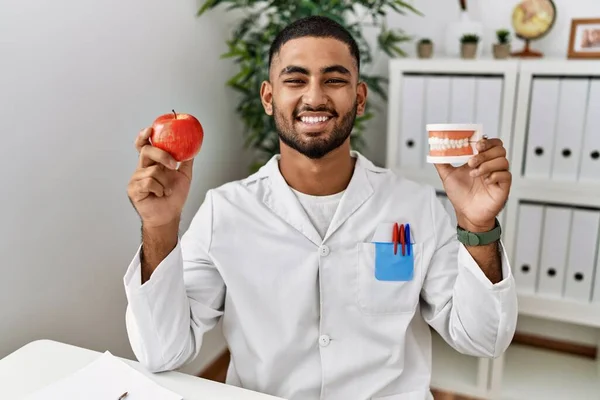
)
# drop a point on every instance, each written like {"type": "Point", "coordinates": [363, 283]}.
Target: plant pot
{"type": "Point", "coordinates": [501, 51]}
{"type": "Point", "coordinates": [425, 50]}
{"type": "Point", "coordinates": [456, 29]}
{"type": "Point", "coordinates": [468, 50]}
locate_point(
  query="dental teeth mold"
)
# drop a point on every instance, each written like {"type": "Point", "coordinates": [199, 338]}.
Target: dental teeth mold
{"type": "Point", "coordinates": [452, 143]}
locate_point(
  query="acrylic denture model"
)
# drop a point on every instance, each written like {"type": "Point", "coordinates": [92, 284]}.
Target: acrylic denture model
{"type": "Point", "coordinates": [452, 143]}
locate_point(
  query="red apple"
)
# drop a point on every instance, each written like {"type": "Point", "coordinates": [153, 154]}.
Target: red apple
{"type": "Point", "coordinates": [180, 135]}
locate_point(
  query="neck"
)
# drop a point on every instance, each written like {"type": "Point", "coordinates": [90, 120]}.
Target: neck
{"type": "Point", "coordinates": [328, 175]}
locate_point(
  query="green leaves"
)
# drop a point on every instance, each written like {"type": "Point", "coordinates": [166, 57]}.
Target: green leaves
{"type": "Point", "coordinates": [208, 4]}
{"type": "Point", "coordinates": [389, 41]}
{"type": "Point", "coordinates": [249, 44]}
{"type": "Point", "coordinates": [401, 7]}
{"type": "Point", "coordinates": [375, 84]}
{"type": "Point", "coordinates": [469, 38]}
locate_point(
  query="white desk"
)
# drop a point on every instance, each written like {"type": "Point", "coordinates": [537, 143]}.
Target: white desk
{"type": "Point", "coordinates": [42, 362]}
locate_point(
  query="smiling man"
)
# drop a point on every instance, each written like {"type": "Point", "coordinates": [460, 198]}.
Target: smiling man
{"type": "Point", "coordinates": [301, 260]}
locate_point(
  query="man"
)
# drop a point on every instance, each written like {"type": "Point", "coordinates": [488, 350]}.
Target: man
{"type": "Point", "coordinates": [287, 259]}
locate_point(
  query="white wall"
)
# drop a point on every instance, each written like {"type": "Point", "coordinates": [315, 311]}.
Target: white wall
{"type": "Point", "coordinates": [78, 80]}
{"type": "Point", "coordinates": [494, 14]}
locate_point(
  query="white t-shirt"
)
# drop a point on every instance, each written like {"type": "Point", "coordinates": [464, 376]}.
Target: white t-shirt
{"type": "Point", "coordinates": [320, 209]}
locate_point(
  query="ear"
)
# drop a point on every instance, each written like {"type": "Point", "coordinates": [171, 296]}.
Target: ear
{"type": "Point", "coordinates": [266, 97]}
{"type": "Point", "coordinates": [361, 98]}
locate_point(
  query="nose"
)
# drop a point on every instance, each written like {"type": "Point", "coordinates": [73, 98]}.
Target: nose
{"type": "Point", "coordinates": [315, 95]}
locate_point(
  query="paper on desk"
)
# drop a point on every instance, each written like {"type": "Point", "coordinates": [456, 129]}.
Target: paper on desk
{"type": "Point", "coordinates": [106, 378]}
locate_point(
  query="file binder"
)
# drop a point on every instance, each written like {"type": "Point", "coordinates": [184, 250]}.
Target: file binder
{"type": "Point", "coordinates": [489, 105]}
{"type": "Point", "coordinates": [571, 114]}
{"type": "Point", "coordinates": [462, 100]}
{"type": "Point", "coordinates": [590, 154]}
{"type": "Point", "coordinates": [542, 128]}
{"type": "Point", "coordinates": [412, 134]}
{"type": "Point", "coordinates": [582, 255]}
{"type": "Point", "coordinates": [527, 247]}
{"type": "Point", "coordinates": [555, 242]}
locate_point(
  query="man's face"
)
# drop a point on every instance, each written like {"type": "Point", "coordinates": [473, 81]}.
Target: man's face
{"type": "Point", "coordinates": [314, 94]}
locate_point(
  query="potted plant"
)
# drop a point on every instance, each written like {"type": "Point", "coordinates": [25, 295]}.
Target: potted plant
{"type": "Point", "coordinates": [425, 48]}
{"type": "Point", "coordinates": [469, 42]}
{"type": "Point", "coordinates": [502, 48]}
{"type": "Point", "coordinates": [466, 21]}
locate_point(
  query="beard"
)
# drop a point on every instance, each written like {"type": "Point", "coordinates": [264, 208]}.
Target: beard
{"type": "Point", "coordinates": [318, 146]}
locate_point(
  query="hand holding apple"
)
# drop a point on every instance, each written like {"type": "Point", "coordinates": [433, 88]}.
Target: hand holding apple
{"type": "Point", "coordinates": [158, 189]}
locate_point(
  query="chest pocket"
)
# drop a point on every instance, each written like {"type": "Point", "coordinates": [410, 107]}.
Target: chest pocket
{"type": "Point", "coordinates": [379, 297]}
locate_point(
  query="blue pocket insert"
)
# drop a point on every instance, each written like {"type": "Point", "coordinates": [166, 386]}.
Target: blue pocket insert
{"type": "Point", "coordinates": [393, 267]}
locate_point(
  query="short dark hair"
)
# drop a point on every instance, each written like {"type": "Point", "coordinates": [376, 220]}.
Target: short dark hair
{"type": "Point", "coordinates": [314, 26]}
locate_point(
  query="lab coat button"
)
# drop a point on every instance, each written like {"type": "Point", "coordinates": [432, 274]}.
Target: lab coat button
{"type": "Point", "coordinates": [324, 340]}
{"type": "Point", "coordinates": [324, 250]}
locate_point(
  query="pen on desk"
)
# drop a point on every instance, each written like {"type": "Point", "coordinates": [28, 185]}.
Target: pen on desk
{"type": "Point", "coordinates": [121, 397]}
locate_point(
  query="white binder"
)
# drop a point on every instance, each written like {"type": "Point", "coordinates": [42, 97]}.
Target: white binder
{"type": "Point", "coordinates": [555, 243]}
{"type": "Point", "coordinates": [437, 103]}
{"type": "Point", "coordinates": [590, 155]}
{"type": "Point", "coordinates": [596, 284]}
{"type": "Point", "coordinates": [412, 136]}
{"type": "Point", "coordinates": [527, 247]}
{"type": "Point", "coordinates": [582, 255]}
{"type": "Point", "coordinates": [462, 100]}
{"type": "Point", "coordinates": [488, 105]}
{"type": "Point", "coordinates": [542, 127]}
{"type": "Point", "coordinates": [572, 105]}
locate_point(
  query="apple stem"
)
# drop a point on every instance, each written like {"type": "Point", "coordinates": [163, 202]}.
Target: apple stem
{"type": "Point", "coordinates": [174, 113]}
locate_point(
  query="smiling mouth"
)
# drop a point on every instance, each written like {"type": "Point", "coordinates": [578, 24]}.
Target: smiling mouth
{"type": "Point", "coordinates": [314, 121]}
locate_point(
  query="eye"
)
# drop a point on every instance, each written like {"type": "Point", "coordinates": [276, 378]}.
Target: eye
{"type": "Point", "coordinates": [294, 81]}
{"type": "Point", "coordinates": [336, 81]}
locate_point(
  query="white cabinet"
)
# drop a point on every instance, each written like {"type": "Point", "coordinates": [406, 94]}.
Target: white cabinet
{"type": "Point", "coordinates": [547, 113]}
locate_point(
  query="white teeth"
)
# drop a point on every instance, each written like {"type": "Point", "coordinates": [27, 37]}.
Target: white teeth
{"type": "Point", "coordinates": [438, 143]}
{"type": "Point", "coordinates": [313, 120]}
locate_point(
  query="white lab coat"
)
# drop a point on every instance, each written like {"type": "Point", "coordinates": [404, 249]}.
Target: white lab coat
{"type": "Point", "coordinates": [305, 318]}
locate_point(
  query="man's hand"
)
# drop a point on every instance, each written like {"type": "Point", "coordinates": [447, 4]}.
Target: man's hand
{"type": "Point", "coordinates": [479, 189]}
{"type": "Point", "coordinates": [157, 189]}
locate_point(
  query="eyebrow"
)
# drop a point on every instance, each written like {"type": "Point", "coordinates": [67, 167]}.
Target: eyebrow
{"type": "Point", "coordinates": [295, 69]}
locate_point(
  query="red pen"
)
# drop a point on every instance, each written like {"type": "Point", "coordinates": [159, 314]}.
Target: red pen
{"type": "Point", "coordinates": [402, 237]}
{"type": "Point", "coordinates": [395, 237]}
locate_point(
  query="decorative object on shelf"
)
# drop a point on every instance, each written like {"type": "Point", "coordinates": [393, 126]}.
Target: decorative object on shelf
{"type": "Point", "coordinates": [532, 20]}
{"type": "Point", "coordinates": [456, 30]}
{"type": "Point", "coordinates": [248, 47]}
{"type": "Point", "coordinates": [425, 48]}
{"type": "Point", "coordinates": [585, 38]}
{"type": "Point", "coordinates": [469, 44]}
{"type": "Point", "coordinates": [501, 49]}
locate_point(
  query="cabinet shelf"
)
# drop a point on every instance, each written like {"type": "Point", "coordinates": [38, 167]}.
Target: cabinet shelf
{"type": "Point", "coordinates": [531, 373]}
{"type": "Point", "coordinates": [570, 193]}
{"type": "Point", "coordinates": [575, 312]}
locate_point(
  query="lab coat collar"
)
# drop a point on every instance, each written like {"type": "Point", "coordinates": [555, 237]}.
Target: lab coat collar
{"type": "Point", "coordinates": [280, 199]}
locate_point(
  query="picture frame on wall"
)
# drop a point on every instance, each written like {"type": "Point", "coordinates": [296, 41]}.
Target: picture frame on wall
{"type": "Point", "coordinates": [584, 42]}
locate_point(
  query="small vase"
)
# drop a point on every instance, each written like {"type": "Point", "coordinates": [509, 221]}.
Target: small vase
{"type": "Point", "coordinates": [457, 29]}
{"type": "Point", "coordinates": [501, 51]}
{"type": "Point", "coordinates": [468, 50]}
{"type": "Point", "coordinates": [425, 50]}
